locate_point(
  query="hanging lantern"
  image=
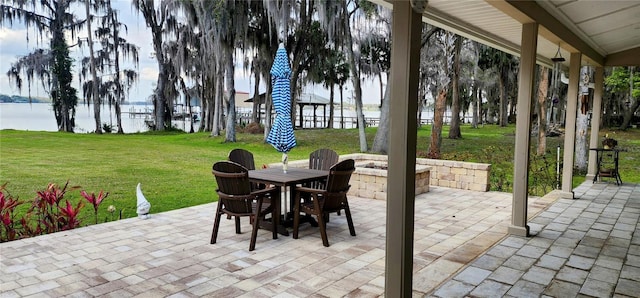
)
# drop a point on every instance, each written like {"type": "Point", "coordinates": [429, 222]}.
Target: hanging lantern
{"type": "Point", "coordinates": [558, 57]}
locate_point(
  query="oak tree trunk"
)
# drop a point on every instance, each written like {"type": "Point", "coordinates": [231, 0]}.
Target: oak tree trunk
{"type": "Point", "coordinates": [436, 129]}
{"type": "Point", "coordinates": [381, 140]}
{"type": "Point", "coordinates": [582, 123]}
{"type": "Point", "coordinates": [543, 89]}
{"type": "Point", "coordinates": [94, 76]}
{"type": "Point", "coordinates": [230, 131]}
{"type": "Point", "coordinates": [454, 130]}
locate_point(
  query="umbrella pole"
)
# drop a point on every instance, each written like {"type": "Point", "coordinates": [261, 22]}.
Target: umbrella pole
{"type": "Point", "coordinates": [285, 161]}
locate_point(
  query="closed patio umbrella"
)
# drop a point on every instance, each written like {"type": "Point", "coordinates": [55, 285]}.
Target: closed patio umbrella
{"type": "Point", "coordinates": [281, 134]}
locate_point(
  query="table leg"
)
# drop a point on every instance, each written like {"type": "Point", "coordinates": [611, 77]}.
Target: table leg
{"type": "Point", "coordinates": [275, 225]}
{"type": "Point", "coordinates": [276, 219]}
{"type": "Point", "coordinates": [289, 218]}
{"type": "Point", "coordinates": [598, 164]}
{"type": "Point", "coordinates": [618, 178]}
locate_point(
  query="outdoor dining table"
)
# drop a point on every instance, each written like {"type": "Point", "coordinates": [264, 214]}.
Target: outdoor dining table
{"type": "Point", "coordinates": [279, 179]}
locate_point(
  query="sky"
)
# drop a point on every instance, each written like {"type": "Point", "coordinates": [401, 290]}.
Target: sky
{"type": "Point", "coordinates": [16, 41]}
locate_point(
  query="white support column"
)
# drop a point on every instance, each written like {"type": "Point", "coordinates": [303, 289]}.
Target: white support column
{"type": "Point", "coordinates": [594, 141]}
{"type": "Point", "coordinates": [405, 59]}
{"type": "Point", "coordinates": [570, 125]}
{"type": "Point", "coordinates": [526, 86]}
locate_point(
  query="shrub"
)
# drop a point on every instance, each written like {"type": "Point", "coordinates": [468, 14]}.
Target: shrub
{"type": "Point", "coordinates": [107, 128]}
{"type": "Point", "coordinates": [542, 174]}
{"type": "Point", "coordinates": [49, 212]}
{"type": "Point", "coordinates": [253, 128]}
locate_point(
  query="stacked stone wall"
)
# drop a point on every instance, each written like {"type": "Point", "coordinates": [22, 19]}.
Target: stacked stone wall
{"type": "Point", "coordinates": [446, 173]}
{"type": "Point", "coordinates": [372, 183]}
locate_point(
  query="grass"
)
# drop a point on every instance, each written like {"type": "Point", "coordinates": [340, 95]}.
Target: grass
{"type": "Point", "coordinates": [174, 169]}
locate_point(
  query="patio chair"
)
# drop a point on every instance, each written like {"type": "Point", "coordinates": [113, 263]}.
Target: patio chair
{"type": "Point", "coordinates": [321, 159]}
{"type": "Point", "coordinates": [237, 199]}
{"type": "Point", "coordinates": [331, 198]}
{"type": "Point", "coordinates": [245, 159]}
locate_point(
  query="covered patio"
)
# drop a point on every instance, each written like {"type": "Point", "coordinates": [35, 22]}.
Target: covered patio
{"type": "Point", "coordinates": [444, 243]}
{"type": "Point", "coordinates": [594, 33]}
{"type": "Point", "coordinates": [586, 246]}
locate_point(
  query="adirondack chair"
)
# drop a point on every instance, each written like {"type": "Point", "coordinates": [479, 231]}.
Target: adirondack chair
{"type": "Point", "coordinates": [238, 199]}
{"type": "Point", "coordinates": [323, 201]}
{"type": "Point", "coordinates": [245, 159]}
{"type": "Point", "coordinates": [321, 159]}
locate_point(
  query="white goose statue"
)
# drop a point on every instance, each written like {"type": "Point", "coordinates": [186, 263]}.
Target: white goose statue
{"type": "Point", "coordinates": [143, 206]}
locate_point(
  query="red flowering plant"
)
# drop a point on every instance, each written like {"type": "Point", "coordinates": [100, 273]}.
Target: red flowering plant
{"type": "Point", "coordinates": [46, 207]}
{"type": "Point", "coordinates": [7, 215]}
{"type": "Point", "coordinates": [69, 216]}
{"type": "Point", "coordinates": [49, 212]}
{"type": "Point", "coordinates": [95, 200]}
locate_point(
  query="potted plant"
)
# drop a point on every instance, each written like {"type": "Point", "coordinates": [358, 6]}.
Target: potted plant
{"type": "Point", "coordinates": [609, 143]}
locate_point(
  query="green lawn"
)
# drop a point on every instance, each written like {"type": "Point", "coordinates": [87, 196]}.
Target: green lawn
{"type": "Point", "coordinates": [175, 168]}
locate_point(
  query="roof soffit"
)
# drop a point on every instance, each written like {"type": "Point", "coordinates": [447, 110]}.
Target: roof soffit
{"type": "Point", "coordinates": [574, 25]}
{"type": "Point", "coordinates": [556, 29]}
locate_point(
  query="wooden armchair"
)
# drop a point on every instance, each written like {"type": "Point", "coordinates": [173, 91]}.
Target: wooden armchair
{"type": "Point", "coordinates": [245, 159]}
{"type": "Point", "coordinates": [321, 159]}
{"type": "Point", "coordinates": [237, 199]}
{"type": "Point", "coordinates": [323, 201]}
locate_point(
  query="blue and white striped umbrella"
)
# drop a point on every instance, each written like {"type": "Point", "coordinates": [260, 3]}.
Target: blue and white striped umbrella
{"type": "Point", "coordinates": [281, 134]}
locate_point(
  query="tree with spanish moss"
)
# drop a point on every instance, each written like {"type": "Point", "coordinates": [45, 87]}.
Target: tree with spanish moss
{"type": "Point", "coordinates": [623, 85]}
{"type": "Point", "coordinates": [51, 66]}
{"type": "Point", "coordinates": [160, 19]}
{"type": "Point", "coordinates": [505, 66]}
{"type": "Point", "coordinates": [105, 60]}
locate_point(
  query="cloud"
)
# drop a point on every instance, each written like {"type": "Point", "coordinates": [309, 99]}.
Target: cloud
{"type": "Point", "coordinates": [13, 43]}
{"type": "Point", "coordinates": [149, 73]}
{"type": "Point", "coordinates": [19, 42]}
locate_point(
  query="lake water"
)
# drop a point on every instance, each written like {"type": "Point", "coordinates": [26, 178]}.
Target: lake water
{"type": "Point", "coordinates": [40, 117]}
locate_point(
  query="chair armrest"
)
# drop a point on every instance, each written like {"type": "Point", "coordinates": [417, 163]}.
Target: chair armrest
{"type": "Point", "coordinates": [309, 189]}
{"type": "Point", "coordinates": [263, 192]}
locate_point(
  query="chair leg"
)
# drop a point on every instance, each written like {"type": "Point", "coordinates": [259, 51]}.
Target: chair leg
{"type": "Point", "coordinates": [238, 225]}
{"type": "Point", "coordinates": [321, 223]}
{"type": "Point", "coordinates": [256, 224]}
{"type": "Point", "coordinates": [347, 213]}
{"type": "Point", "coordinates": [274, 214]}
{"type": "Point", "coordinates": [216, 224]}
{"type": "Point", "coordinates": [296, 216]}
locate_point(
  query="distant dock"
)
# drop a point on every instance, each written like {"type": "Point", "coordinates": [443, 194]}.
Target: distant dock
{"type": "Point", "coordinates": [308, 122]}
{"type": "Point", "coordinates": [139, 113]}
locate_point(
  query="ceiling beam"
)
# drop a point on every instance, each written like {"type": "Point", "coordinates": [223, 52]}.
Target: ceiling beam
{"type": "Point", "coordinates": [630, 57]}
{"type": "Point", "coordinates": [442, 20]}
{"type": "Point", "coordinates": [539, 15]}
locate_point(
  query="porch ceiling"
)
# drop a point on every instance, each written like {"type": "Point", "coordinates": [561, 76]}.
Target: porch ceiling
{"type": "Point", "coordinates": [605, 32]}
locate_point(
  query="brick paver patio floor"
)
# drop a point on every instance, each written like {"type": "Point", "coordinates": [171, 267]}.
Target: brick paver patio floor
{"type": "Point", "coordinates": [587, 246]}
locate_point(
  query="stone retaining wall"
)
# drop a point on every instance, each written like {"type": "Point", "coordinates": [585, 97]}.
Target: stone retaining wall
{"type": "Point", "coordinates": [447, 173]}
{"type": "Point", "coordinates": [372, 183]}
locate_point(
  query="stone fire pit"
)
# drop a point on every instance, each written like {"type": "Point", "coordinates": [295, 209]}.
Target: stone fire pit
{"type": "Point", "coordinates": [370, 179]}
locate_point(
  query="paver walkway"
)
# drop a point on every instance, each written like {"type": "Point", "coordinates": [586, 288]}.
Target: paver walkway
{"type": "Point", "coordinates": [169, 255]}
{"type": "Point", "coordinates": [589, 246]}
